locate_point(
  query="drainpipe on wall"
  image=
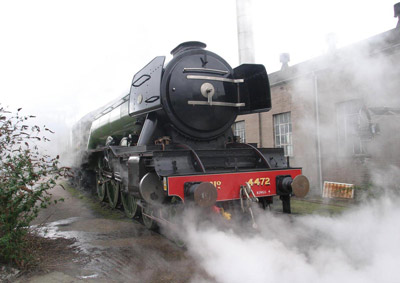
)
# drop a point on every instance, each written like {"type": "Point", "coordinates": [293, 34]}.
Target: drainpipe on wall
{"type": "Point", "coordinates": [319, 162]}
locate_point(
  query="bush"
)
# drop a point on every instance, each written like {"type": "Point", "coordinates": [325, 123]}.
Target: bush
{"type": "Point", "coordinates": [26, 176]}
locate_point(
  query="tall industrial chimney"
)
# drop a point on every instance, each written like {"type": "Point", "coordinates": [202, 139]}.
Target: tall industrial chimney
{"type": "Point", "coordinates": [246, 48]}
{"type": "Point", "coordinates": [245, 31]}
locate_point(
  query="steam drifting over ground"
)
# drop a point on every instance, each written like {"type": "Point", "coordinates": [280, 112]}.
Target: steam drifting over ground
{"type": "Point", "coordinates": [361, 245]}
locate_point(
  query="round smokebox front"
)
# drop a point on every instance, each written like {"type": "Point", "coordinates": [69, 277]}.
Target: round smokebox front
{"type": "Point", "coordinates": [192, 77]}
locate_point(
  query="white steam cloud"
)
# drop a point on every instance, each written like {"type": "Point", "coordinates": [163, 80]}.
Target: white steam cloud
{"type": "Point", "coordinates": [361, 245]}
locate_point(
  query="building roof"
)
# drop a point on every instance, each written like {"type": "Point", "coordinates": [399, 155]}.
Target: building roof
{"type": "Point", "coordinates": [387, 42]}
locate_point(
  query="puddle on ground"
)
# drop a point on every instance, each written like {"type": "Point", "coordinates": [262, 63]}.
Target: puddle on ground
{"type": "Point", "coordinates": [111, 244]}
{"type": "Point", "coordinates": [115, 250]}
{"type": "Point", "coordinates": [97, 233]}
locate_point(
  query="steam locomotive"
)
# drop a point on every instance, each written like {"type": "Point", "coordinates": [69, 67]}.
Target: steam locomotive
{"type": "Point", "coordinates": [169, 142]}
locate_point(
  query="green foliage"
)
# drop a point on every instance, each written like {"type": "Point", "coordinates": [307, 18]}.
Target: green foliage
{"type": "Point", "coordinates": [26, 176]}
{"type": "Point", "coordinates": [367, 191]}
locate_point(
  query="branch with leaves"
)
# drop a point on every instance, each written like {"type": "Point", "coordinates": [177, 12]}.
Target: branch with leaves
{"type": "Point", "coordinates": [26, 176]}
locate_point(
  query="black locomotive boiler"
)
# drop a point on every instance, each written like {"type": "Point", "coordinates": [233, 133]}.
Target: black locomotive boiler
{"type": "Point", "coordinates": [169, 141]}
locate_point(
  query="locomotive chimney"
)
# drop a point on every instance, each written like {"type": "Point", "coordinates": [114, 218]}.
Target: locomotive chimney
{"type": "Point", "coordinates": [397, 13]}
{"type": "Point", "coordinates": [284, 58]}
{"type": "Point", "coordinates": [188, 45]}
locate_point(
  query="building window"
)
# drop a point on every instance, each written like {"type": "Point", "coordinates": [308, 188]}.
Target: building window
{"type": "Point", "coordinates": [239, 130]}
{"type": "Point", "coordinates": [353, 127]}
{"type": "Point", "coordinates": [283, 132]}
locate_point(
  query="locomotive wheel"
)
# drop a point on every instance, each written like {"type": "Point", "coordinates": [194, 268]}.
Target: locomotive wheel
{"type": "Point", "coordinates": [113, 193]}
{"type": "Point", "coordinates": [147, 221]}
{"type": "Point", "coordinates": [174, 211]}
{"type": "Point", "coordinates": [100, 187]}
{"type": "Point", "coordinates": [179, 242]}
{"type": "Point", "coordinates": [129, 204]}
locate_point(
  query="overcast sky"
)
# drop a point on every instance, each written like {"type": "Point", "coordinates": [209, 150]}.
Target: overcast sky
{"type": "Point", "coordinates": [61, 59]}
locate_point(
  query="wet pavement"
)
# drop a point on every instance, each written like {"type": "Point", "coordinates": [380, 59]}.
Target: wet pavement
{"type": "Point", "coordinates": [110, 247]}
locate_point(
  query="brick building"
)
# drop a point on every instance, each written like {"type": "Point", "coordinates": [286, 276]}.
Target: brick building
{"type": "Point", "coordinates": [337, 116]}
